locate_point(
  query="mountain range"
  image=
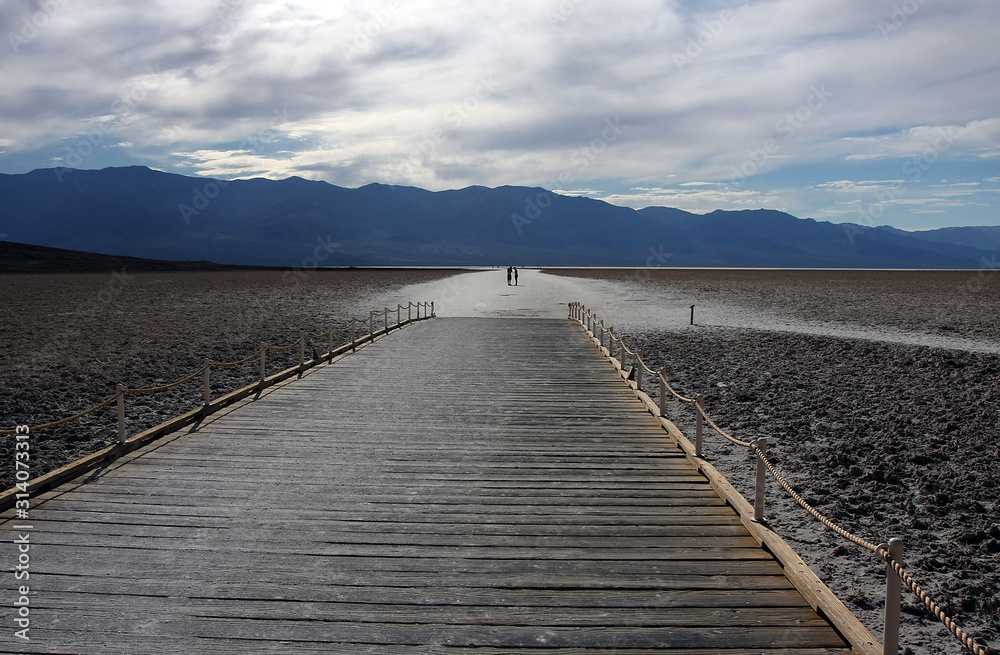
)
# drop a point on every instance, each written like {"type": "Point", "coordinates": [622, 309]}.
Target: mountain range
{"type": "Point", "coordinates": [140, 212]}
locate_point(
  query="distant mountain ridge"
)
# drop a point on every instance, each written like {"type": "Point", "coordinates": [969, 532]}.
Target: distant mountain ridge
{"type": "Point", "coordinates": [140, 212]}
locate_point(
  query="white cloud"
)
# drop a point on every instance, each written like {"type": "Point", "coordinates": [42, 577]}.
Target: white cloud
{"type": "Point", "coordinates": [387, 91]}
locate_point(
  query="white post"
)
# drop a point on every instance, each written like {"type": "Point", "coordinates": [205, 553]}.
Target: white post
{"type": "Point", "coordinates": [432, 309]}
{"type": "Point", "coordinates": [890, 639]}
{"type": "Point", "coordinates": [409, 311]}
{"type": "Point", "coordinates": [371, 324]}
{"type": "Point", "coordinates": [208, 383]}
{"type": "Point", "coordinates": [120, 389]}
{"type": "Point", "coordinates": [302, 353]}
{"type": "Point", "coordinates": [385, 320]}
{"type": "Point", "coordinates": [758, 503]}
{"type": "Point", "coordinates": [663, 392]}
{"type": "Point", "coordinates": [263, 364]}
{"type": "Point", "coordinates": [699, 402]}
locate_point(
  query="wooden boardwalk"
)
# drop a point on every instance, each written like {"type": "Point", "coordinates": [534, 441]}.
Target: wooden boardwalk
{"type": "Point", "coordinates": [464, 485]}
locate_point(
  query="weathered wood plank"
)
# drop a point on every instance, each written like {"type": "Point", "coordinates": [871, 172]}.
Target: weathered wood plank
{"type": "Point", "coordinates": [465, 484]}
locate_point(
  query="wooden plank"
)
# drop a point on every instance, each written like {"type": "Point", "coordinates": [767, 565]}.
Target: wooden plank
{"type": "Point", "coordinates": [805, 580]}
{"type": "Point", "coordinates": [431, 491]}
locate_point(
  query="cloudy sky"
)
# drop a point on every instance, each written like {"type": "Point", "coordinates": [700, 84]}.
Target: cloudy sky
{"type": "Point", "coordinates": [866, 111]}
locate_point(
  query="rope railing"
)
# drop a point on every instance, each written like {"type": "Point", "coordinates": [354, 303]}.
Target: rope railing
{"type": "Point", "coordinates": [896, 572]}
{"type": "Point", "coordinates": [205, 370]}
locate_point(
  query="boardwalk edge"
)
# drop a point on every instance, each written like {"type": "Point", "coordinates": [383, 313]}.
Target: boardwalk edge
{"type": "Point", "coordinates": [815, 591]}
{"type": "Point", "coordinates": [85, 464]}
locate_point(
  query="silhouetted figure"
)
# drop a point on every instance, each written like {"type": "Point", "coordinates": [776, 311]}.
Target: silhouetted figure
{"type": "Point", "coordinates": [515, 276]}
{"type": "Point", "coordinates": [509, 269]}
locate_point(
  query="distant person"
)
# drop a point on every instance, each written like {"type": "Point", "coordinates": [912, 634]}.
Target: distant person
{"type": "Point", "coordinates": [515, 276]}
{"type": "Point", "coordinates": [509, 269]}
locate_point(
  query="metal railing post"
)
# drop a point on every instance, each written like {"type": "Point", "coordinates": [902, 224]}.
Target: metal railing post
{"type": "Point", "coordinates": [208, 383]}
{"type": "Point", "coordinates": [699, 403]}
{"type": "Point", "coordinates": [120, 390]}
{"type": "Point", "coordinates": [890, 638]}
{"type": "Point", "coordinates": [758, 503]}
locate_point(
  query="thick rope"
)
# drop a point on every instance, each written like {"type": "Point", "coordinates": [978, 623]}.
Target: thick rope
{"type": "Point", "coordinates": [283, 348]}
{"type": "Point", "coordinates": [933, 607]}
{"type": "Point", "coordinates": [236, 363]}
{"type": "Point", "coordinates": [68, 419]}
{"type": "Point", "coordinates": [867, 545]}
{"type": "Point", "coordinates": [879, 550]}
{"type": "Point", "coordinates": [167, 386]}
{"type": "Point", "coordinates": [146, 390]}
{"type": "Point", "coordinates": [726, 435]}
{"type": "Point", "coordinates": [679, 397]}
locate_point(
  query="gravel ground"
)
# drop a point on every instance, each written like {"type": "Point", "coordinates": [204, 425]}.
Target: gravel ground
{"type": "Point", "coordinates": [887, 439]}
{"type": "Point", "coordinates": [66, 341]}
